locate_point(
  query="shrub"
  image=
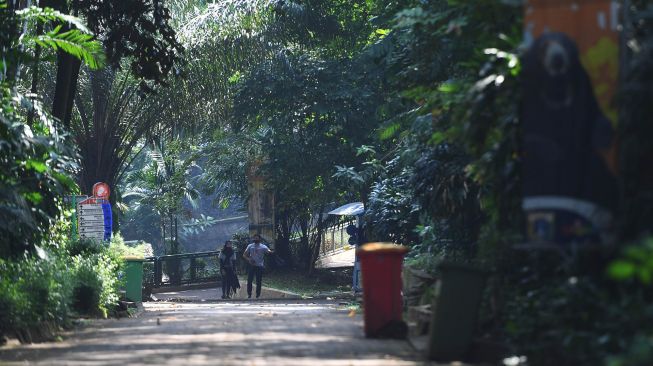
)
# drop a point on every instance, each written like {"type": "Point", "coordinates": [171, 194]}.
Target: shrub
{"type": "Point", "coordinates": [96, 282]}
{"type": "Point", "coordinates": [33, 291]}
{"type": "Point", "coordinates": [45, 290]}
{"type": "Point", "coordinates": [84, 247]}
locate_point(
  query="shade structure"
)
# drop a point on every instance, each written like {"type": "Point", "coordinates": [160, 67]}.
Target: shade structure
{"type": "Point", "coordinates": [350, 209]}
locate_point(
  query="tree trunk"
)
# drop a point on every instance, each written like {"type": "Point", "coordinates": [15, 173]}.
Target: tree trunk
{"type": "Point", "coordinates": [35, 74]}
{"type": "Point", "coordinates": [304, 250]}
{"type": "Point", "coordinates": [316, 241]}
{"type": "Point", "coordinates": [282, 244]}
{"type": "Point", "coordinates": [174, 248]}
{"type": "Point", "coordinates": [163, 235]}
{"type": "Point", "coordinates": [66, 86]}
{"type": "Point", "coordinates": [176, 234]}
{"type": "Point", "coordinates": [67, 74]}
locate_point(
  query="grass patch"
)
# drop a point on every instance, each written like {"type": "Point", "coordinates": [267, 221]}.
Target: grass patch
{"type": "Point", "coordinates": [320, 281]}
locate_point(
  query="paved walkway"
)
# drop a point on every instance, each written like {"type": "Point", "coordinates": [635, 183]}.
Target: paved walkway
{"type": "Point", "coordinates": [279, 332]}
{"type": "Point", "coordinates": [338, 259]}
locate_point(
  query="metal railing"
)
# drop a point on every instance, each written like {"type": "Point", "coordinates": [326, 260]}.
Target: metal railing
{"type": "Point", "coordinates": [181, 269]}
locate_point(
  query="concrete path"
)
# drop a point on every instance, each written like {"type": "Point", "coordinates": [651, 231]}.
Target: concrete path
{"type": "Point", "coordinates": [280, 332]}
{"type": "Point", "coordinates": [338, 259]}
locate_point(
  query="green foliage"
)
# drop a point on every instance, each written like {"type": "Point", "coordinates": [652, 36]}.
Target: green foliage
{"type": "Point", "coordinates": [489, 127]}
{"type": "Point", "coordinates": [574, 312]}
{"type": "Point", "coordinates": [66, 278]}
{"type": "Point", "coordinates": [120, 249]}
{"type": "Point", "coordinates": [163, 187]}
{"type": "Point", "coordinates": [84, 247]}
{"type": "Point", "coordinates": [79, 42]}
{"type": "Point", "coordinates": [36, 160]}
{"type": "Point", "coordinates": [635, 264]}
{"type": "Point", "coordinates": [33, 291]}
{"type": "Point", "coordinates": [34, 167]}
{"type": "Point", "coordinates": [75, 43]}
{"type": "Point", "coordinates": [574, 321]}
{"type": "Point", "coordinates": [634, 128]}
{"type": "Point", "coordinates": [96, 283]}
{"type": "Point", "coordinates": [139, 31]}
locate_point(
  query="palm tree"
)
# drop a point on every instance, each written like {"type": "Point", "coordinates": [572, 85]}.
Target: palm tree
{"type": "Point", "coordinates": [163, 186]}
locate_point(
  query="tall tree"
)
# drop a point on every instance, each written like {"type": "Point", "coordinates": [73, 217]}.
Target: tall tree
{"type": "Point", "coordinates": [135, 30]}
{"type": "Point", "coordinates": [36, 160]}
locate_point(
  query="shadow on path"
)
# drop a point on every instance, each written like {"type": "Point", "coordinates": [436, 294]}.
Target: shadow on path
{"type": "Point", "coordinates": [290, 332]}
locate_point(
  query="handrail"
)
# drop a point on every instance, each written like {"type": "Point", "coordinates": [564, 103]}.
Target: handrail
{"type": "Point", "coordinates": [177, 271]}
{"type": "Point", "coordinates": [185, 255]}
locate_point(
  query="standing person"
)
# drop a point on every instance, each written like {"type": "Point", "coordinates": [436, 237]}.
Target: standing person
{"type": "Point", "coordinates": [228, 271]}
{"type": "Point", "coordinates": [254, 254]}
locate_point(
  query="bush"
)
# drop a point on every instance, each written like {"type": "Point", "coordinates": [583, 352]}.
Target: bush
{"type": "Point", "coordinates": [44, 291]}
{"type": "Point", "coordinates": [33, 292]}
{"type": "Point", "coordinates": [84, 247]}
{"type": "Point", "coordinates": [593, 310]}
{"type": "Point", "coordinates": [120, 249]}
{"type": "Point", "coordinates": [96, 283]}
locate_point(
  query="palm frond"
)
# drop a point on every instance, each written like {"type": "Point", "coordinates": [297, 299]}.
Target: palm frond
{"type": "Point", "coordinates": [74, 42]}
{"type": "Point", "coordinates": [46, 15]}
{"type": "Point", "coordinates": [192, 196]}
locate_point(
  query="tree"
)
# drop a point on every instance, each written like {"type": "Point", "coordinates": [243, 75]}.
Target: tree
{"type": "Point", "coordinates": [136, 29]}
{"type": "Point", "coordinates": [35, 160]}
{"type": "Point", "coordinates": [163, 186]}
{"type": "Point", "coordinates": [111, 120]}
{"type": "Point", "coordinates": [283, 108]}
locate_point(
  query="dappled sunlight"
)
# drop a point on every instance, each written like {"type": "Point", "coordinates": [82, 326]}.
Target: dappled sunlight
{"type": "Point", "coordinates": [296, 333]}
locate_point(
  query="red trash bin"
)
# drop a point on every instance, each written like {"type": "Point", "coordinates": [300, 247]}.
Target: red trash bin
{"type": "Point", "coordinates": [382, 300]}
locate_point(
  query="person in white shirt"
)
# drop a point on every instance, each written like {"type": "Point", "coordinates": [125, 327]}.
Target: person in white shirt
{"type": "Point", "coordinates": [255, 255]}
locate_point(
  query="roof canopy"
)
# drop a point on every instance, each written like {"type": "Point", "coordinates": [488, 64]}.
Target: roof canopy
{"type": "Point", "coordinates": [350, 209]}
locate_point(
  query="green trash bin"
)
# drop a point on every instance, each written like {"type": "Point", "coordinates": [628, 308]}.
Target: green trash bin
{"type": "Point", "coordinates": [455, 307]}
{"type": "Point", "coordinates": [134, 278]}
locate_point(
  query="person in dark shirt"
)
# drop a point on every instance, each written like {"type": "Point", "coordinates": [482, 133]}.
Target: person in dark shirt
{"type": "Point", "coordinates": [230, 282]}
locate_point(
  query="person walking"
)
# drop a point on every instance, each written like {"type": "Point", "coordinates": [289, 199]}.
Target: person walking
{"type": "Point", "coordinates": [254, 255]}
{"type": "Point", "coordinates": [230, 283]}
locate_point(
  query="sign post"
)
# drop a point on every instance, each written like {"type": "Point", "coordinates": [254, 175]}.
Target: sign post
{"type": "Point", "coordinates": [94, 218]}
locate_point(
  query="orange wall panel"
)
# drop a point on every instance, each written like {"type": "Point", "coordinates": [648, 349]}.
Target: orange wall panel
{"type": "Point", "coordinates": [594, 25]}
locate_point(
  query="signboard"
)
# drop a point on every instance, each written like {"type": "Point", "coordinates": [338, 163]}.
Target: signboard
{"type": "Point", "coordinates": [94, 217]}
{"type": "Point", "coordinates": [72, 202]}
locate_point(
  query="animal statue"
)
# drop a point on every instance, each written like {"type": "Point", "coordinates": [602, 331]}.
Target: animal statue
{"type": "Point", "coordinates": [565, 137]}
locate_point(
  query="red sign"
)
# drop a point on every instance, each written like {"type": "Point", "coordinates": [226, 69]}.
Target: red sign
{"type": "Point", "coordinates": [101, 190]}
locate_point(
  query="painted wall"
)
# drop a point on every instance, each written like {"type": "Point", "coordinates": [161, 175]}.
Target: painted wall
{"type": "Point", "coordinates": [594, 25]}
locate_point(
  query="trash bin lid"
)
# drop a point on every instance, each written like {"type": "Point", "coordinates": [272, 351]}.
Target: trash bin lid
{"type": "Point", "coordinates": [373, 248]}
{"type": "Point", "coordinates": [133, 258]}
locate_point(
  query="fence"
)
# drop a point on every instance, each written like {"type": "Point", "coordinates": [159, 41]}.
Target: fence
{"type": "Point", "coordinates": [335, 237]}
{"type": "Point", "coordinates": [181, 269]}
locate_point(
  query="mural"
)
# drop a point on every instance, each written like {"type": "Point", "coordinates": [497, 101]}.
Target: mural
{"type": "Point", "coordinates": [594, 26]}
{"type": "Point", "coordinates": [570, 74]}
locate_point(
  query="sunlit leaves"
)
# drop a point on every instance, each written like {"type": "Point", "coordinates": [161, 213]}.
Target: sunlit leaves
{"type": "Point", "coordinates": [76, 43]}
{"type": "Point", "coordinates": [636, 263]}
